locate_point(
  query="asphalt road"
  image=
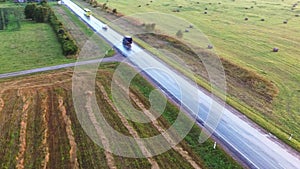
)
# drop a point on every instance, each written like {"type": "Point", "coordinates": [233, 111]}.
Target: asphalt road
{"type": "Point", "coordinates": [247, 141]}
{"type": "Point", "coordinates": [116, 58]}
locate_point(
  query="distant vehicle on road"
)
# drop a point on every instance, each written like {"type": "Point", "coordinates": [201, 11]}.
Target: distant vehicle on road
{"type": "Point", "coordinates": [88, 12]}
{"type": "Point", "coordinates": [127, 41]}
{"type": "Point", "coordinates": [105, 27]}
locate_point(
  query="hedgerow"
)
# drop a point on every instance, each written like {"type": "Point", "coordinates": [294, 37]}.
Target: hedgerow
{"type": "Point", "coordinates": [43, 13]}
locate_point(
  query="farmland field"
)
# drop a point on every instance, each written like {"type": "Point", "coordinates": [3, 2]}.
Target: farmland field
{"type": "Point", "coordinates": [247, 43]}
{"type": "Point", "coordinates": [34, 45]}
{"type": "Point", "coordinates": [39, 127]}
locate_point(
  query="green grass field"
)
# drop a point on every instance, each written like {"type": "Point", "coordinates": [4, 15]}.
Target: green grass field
{"type": "Point", "coordinates": [246, 43]}
{"type": "Point", "coordinates": [34, 45]}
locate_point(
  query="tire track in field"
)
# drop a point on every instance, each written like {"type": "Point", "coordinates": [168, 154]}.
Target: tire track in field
{"type": "Point", "coordinates": [70, 134]}
{"type": "Point", "coordinates": [155, 123]}
{"type": "Point", "coordinates": [1, 100]}
{"type": "Point", "coordinates": [105, 142]}
{"type": "Point", "coordinates": [1, 103]}
{"type": "Point", "coordinates": [37, 80]}
{"type": "Point", "coordinates": [131, 130]}
{"type": "Point", "coordinates": [45, 110]}
{"type": "Point", "coordinates": [23, 124]}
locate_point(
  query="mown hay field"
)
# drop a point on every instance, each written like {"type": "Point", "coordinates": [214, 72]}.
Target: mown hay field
{"type": "Point", "coordinates": [40, 128]}
{"type": "Point", "coordinates": [245, 33]}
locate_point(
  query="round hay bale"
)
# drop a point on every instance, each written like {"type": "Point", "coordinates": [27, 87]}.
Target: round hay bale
{"type": "Point", "coordinates": [205, 12]}
{"type": "Point", "coordinates": [275, 49]}
{"type": "Point", "coordinates": [191, 26]}
{"type": "Point", "coordinates": [210, 47]}
{"type": "Point", "coordinates": [285, 22]}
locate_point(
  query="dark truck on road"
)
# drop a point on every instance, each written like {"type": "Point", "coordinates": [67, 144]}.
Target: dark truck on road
{"type": "Point", "coordinates": [127, 41]}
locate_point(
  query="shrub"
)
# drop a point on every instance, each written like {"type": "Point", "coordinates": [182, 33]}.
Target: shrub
{"type": "Point", "coordinates": [29, 10]}
{"type": "Point", "coordinates": [114, 10]}
{"type": "Point", "coordinates": [69, 47]}
{"type": "Point", "coordinates": [68, 44]}
{"type": "Point", "coordinates": [41, 14]}
{"type": "Point", "coordinates": [179, 34]}
{"type": "Point", "coordinates": [150, 27]}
